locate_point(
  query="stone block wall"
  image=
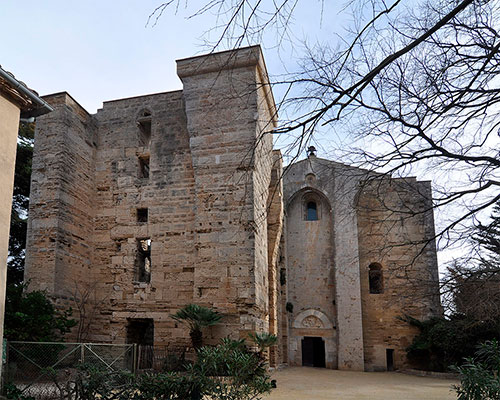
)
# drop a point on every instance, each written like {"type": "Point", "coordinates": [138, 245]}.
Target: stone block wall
{"type": "Point", "coordinates": [322, 258]}
{"type": "Point", "coordinates": [363, 218]}
{"type": "Point", "coordinates": [60, 239]}
{"type": "Point", "coordinates": [396, 231]}
{"type": "Point", "coordinates": [232, 160]}
{"type": "Point", "coordinates": [168, 196]}
{"type": "Point", "coordinates": [162, 200]}
{"type": "Point", "coordinates": [209, 155]}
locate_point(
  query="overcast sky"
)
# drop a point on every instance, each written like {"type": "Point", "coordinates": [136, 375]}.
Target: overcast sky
{"type": "Point", "coordinates": [100, 50]}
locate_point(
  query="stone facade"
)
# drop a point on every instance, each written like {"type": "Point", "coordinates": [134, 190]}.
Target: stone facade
{"type": "Point", "coordinates": [162, 200]}
{"type": "Point", "coordinates": [362, 219]}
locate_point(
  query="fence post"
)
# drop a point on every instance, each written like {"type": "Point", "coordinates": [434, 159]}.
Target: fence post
{"type": "Point", "coordinates": [134, 362]}
{"type": "Point", "coordinates": [5, 363]}
{"type": "Point", "coordinates": [82, 353]}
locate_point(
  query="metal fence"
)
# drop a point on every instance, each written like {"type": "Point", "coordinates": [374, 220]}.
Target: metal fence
{"type": "Point", "coordinates": [47, 370]}
{"type": "Point", "coordinates": [162, 358]}
{"type": "Point", "coordinates": [42, 370]}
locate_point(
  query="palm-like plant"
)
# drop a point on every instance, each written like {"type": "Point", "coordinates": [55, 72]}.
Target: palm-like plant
{"type": "Point", "coordinates": [263, 340]}
{"type": "Point", "coordinates": [197, 317]}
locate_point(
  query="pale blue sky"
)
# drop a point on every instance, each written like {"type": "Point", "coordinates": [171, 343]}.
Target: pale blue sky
{"type": "Point", "coordinates": [101, 50]}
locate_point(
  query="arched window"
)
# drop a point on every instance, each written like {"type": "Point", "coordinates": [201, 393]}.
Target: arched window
{"type": "Point", "coordinates": [311, 211]}
{"type": "Point", "coordinates": [376, 278]}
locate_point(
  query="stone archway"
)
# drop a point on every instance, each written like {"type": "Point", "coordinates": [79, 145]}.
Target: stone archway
{"type": "Point", "coordinates": [312, 319]}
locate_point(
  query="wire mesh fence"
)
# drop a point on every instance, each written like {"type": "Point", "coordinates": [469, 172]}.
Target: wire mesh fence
{"type": "Point", "coordinates": [166, 358]}
{"type": "Point", "coordinates": [44, 370]}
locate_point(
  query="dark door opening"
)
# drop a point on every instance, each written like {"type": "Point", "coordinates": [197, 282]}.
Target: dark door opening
{"type": "Point", "coordinates": [141, 332]}
{"type": "Point", "coordinates": [313, 352]}
{"type": "Point", "coordinates": [389, 354]}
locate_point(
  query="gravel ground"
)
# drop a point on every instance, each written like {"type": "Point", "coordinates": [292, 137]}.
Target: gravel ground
{"type": "Point", "coordinates": [318, 383]}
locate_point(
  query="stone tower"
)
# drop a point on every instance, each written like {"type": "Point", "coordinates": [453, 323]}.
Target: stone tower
{"type": "Point", "coordinates": [167, 199]}
{"type": "Point", "coordinates": [162, 200]}
{"type": "Point", "coordinates": [360, 254]}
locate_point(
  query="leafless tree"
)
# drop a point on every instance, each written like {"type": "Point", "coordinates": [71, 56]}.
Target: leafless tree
{"type": "Point", "coordinates": [471, 287]}
{"type": "Point", "coordinates": [88, 303]}
{"type": "Point", "coordinates": [413, 83]}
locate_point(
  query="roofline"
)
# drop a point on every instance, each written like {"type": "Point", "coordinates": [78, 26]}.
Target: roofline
{"type": "Point", "coordinates": [217, 52]}
{"type": "Point", "coordinates": [69, 95]}
{"type": "Point", "coordinates": [41, 106]}
{"type": "Point", "coordinates": [142, 95]}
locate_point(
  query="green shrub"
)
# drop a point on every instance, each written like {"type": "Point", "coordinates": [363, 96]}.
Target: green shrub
{"type": "Point", "coordinates": [197, 317]}
{"type": "Point", "coordinates": [443, 342]}
{"type": "Point", "coordinates": [13, 392]}
{"type": "Point", "coordinates": [92, 382]}
{"type": "Point", "coordinates": [231, 372]}
{"type": "Point", "coordinates": [174, 362]}
{"type": "Point", "coordinates": [169, 386]}
{"type": "Point", "coordinates": [31, 316]}
{"type": "Point", "coordinates": [480, 376]}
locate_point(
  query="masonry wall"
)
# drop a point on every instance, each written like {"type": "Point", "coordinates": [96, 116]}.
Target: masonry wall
{"type": "Point", "coordinates": [322, 261]}
{"type": "Point", "coordinates": [60, 227]}
{"type": "Point", "coordinates": [396, 230]}
{"type": "Point", "coordinates": [275, 216]}
{"type": "Point", "coordinates": [363, 218]}
{"type": "Point", "coordinates": [232, 160]}
{"type": "Point", "coordinates": [310, 266]}
{"type": "Point", "coordinates": [210, 160]}
{"type": "Point", "coordinates": [168, 196]}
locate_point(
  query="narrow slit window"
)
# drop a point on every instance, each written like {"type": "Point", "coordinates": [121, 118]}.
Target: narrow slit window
{"type": "Point", "coordinates": [144, 125]}
{"type": "Point", "coordinates": [311, 211]}
{"type": "Point", "coordinates": [142, 215]}
{"type": "Point", "coordinates": [376, 278]}
{"type": "Point", "coordinates": [143, 260]}
{"type": "Point", "coordinates": [145, 131]}
{"type": "Point", "coordinates": [144, 167]}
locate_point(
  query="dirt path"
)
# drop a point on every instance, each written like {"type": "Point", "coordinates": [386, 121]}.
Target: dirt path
{"type": "Point", "coordinates": [320, 384]}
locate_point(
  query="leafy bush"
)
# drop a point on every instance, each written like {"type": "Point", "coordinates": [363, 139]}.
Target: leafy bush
{"type": "Point", "coordinates": [480, 376]}
{"type": "Point", "coordinates": [31, 316]}
{"type": "Point", "coordinates": [98, 383]}
{"type": "Point", "coordinates": [169, 386]}
{"type": "Point", "coordinates": [443, 342]}
{"type": "Point", "coordinates": [197, 317]}
{"type": "Point", "coordinates": [231, 372]}
{"type": "Point", "coordinates": [13, 392]}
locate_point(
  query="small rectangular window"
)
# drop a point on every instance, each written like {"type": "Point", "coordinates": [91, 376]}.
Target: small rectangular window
{"type": "Point", "coordinates": [142, 215]}
{"type": "Point", "coordinates": [144, 167]}
{"type": "Point", "coordinates": [143, 260]}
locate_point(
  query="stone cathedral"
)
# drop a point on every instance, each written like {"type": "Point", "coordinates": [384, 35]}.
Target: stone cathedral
{"type": "Point", "coordinates": [162, 200]}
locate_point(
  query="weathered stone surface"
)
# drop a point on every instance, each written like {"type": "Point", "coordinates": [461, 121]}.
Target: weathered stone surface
{"type": "Point", "coordinates": [194, 173]}
{"type": "Point", "coordinates": [363, 218]}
